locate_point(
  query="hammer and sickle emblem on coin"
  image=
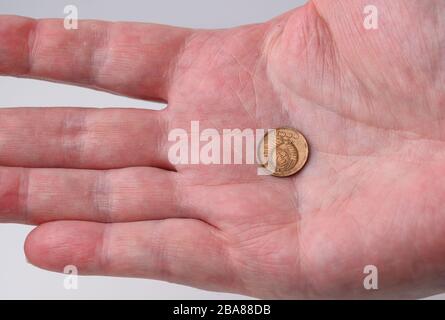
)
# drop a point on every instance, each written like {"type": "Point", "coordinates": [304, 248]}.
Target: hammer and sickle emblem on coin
{"type": "Point", "coordinates": [286, 155]}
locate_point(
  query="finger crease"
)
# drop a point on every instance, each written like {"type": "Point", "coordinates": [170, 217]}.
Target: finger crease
{"type": "Point", "coordinates": [102, 197]}
{"type": "Point", "coordinates": [32, 46]}
{"type": "Point", "coordinates": [104, 253]}
{"type": "Point", "coordinates": [73, 137]}
{"type": "Point", "coordinates": [99, 56]}
{"type": "Point", "coordinates": [23, 195]}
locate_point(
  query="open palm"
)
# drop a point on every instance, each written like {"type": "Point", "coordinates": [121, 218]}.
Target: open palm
{"type": "Point", "coordinates": [107, 200]}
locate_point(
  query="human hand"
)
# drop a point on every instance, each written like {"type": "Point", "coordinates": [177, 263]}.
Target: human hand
{"type": "Point", "coordinates": [100, 187]}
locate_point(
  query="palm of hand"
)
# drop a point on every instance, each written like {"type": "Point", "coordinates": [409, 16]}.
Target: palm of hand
{"type": "Point", "coordinates": [369, 195]}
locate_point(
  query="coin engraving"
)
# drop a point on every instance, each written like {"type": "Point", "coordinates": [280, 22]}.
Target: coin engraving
{"type": "Point", "coordinates": [284, 153]}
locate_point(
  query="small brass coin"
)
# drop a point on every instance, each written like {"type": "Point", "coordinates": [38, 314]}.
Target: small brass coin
{"type": "Point", "coordinates": [286, 155]}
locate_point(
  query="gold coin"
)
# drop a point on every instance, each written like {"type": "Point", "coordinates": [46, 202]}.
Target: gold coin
{"type": "Point", "coordinates": [286, 154]}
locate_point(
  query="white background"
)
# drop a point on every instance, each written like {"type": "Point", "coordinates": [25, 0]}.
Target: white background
{"type": "Point", "coordinates": [20, 280]}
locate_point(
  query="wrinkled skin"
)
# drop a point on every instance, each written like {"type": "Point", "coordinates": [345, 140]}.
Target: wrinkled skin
{"type": "Point", "coordinates": [371, 103]}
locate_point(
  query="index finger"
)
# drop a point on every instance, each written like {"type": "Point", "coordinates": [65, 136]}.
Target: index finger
{"type": "Point", "coordinates": [132, 59]}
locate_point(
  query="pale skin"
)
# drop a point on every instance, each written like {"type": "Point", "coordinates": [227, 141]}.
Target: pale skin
{"type": "Point", "coordinates": [100, 188]}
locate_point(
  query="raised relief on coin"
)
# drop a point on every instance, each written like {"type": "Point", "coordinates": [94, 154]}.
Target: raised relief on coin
{"type": "Point", "coordinates": [283, 152]}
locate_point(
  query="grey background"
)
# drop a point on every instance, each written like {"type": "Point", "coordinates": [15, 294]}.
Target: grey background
{"type": "Point", "coordinates": [20, 280]}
